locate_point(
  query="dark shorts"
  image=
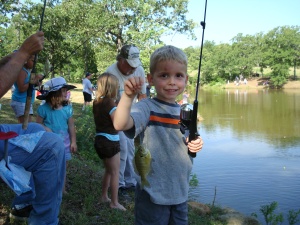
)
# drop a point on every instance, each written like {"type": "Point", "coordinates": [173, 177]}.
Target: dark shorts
{"type": "Point", "coordinates": [148, 213]}
{"type": "Point", "coordinates": [87, 97]}
{"type": "Point", "coordinates": [106, 148]}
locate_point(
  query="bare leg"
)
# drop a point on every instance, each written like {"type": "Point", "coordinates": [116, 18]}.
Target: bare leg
{"type": "Point", "coordinates": [105, 183]}
{"type": "Point", "coordinates": [112, 165]}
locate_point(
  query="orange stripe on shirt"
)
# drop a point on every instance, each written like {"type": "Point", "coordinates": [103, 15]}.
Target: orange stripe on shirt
{"type": "Point", "coordinates": [164, 120]}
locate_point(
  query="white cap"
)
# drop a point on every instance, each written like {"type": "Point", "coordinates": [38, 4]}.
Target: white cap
{"type": "Point", "coordinates": [132, 54]}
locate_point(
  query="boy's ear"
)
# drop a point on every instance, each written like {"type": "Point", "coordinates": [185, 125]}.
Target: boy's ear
{"type": "Point", "coordinates": [150, 79]}
{"type": "Point", "coordinates": [187, 78]}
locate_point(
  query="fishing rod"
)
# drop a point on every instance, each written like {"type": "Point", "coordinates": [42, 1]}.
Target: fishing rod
{"type": "Point", "coordinates": [31, 80]}
{"type": "Point", "coordinates": [188, 113]}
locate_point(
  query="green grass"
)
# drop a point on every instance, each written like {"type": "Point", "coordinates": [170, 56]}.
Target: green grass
{"type": "Point", "coordinates": [84, 173]}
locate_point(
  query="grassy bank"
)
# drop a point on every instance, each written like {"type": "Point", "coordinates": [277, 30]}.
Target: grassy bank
{"type": "Point", "coordinates": [81, 205]}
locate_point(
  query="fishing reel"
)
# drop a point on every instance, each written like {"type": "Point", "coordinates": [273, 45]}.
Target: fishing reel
{"type": "Point", "coordinates": [186, 112]}
{"type": "Point", "coordinates": [33, 80]}
{"type": "Point", "coordinates": [187, 123]}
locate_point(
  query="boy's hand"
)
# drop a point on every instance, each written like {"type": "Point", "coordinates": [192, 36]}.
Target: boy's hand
{"type": "Point", "coordinates": [195, 145]}
{"type": "Point", "coordinates": [133, 86]}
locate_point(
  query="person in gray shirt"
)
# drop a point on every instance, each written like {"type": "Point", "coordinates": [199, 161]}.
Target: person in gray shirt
{"type": "Point", "coordinates": [163, 199]}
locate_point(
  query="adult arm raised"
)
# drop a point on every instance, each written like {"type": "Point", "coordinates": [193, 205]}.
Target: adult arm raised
{"type": "Point", "coordinates": [11, 65]}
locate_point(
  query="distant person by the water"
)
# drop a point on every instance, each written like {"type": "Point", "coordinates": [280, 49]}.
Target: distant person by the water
{"type": "Point", "coordinates": [185, 97]}
{"type": "Point", "coordinates": [87, 90]}
{"type": "Point", "coordinates": [237, 81]}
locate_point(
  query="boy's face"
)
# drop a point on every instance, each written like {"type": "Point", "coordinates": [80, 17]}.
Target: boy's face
{"type": "Point", "coordinates": [125, 68]}
{"type": "Point", "coordinates": [169, 79]}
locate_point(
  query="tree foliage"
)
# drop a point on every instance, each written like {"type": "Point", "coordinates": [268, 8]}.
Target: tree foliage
{"type": "Point", "coordinates": [282, 52]}
{"type": "Point", "coordinates": [278, 50]}
{"type": "Point", "coordinates": [86, 35]}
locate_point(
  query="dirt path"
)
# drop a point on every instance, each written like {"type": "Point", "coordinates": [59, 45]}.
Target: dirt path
{"type": "Point", "coordinates": [76, 94]}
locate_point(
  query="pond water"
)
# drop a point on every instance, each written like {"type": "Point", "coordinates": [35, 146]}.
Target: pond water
{"type": "Point", "coordinates": [251, 155]}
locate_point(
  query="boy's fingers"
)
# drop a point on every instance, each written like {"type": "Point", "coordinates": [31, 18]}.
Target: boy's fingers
{"type": "Point", "coordinates": [135, 82]}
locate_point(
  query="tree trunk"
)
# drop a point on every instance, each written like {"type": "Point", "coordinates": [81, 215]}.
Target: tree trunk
{"type": "Point", "coordinates": [295, 66]}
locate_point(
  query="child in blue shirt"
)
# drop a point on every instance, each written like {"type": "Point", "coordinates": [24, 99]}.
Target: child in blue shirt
{"type": "Point", "coordinates": [57, 114]}
{"type": "Point", "coordinates": [19, 95]}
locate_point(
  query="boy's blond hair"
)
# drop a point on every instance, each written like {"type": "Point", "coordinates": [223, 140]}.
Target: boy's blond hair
{"type": "Point", "coordinates": [167, 53]}
{"type": "Point", "coordinates": [107, 86]}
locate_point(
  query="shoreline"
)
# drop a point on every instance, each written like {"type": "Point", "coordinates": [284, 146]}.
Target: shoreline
{"type": "Point", "coordinates": [258, 83]}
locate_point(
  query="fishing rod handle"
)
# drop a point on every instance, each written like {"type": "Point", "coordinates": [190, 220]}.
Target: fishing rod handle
{"type": "Point", "coordinates": [27, 111]}
{"type": "Point", "coordinates": [192, 154]}
{"type": "Point", "coordinates": [193, 126]}
{"type": "Point", "coordinates": [188, 134]}
{"type": "Point", "coordinates": [28, 99]}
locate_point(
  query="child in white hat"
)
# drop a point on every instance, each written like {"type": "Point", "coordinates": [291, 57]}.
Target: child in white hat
{"type": "Point", "coordinates": [57, 114]}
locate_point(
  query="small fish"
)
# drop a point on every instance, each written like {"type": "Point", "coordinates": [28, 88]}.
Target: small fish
{"type": "Point", "coordinates": [142, 161]}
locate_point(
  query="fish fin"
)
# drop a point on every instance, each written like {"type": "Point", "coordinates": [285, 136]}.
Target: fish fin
{"type": "Point", "coordinates": [145, 183]}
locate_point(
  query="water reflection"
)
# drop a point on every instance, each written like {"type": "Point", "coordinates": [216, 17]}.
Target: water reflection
{"type": "Point", "coordinates": [252, 149]}
{"type": "Point", "coordinates": [271, 115]}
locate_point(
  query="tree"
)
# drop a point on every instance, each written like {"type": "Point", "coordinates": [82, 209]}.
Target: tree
{"type": "Point", "coordinates": [259, 48]}
{"type": "Point", "coordinates": [244, 48]}
{"type": "Point", "coordinates": [283, 52]}
{"type": "Point", "coordinates": [142, 23]}
{"type": "Point", "coordinates": [7, 7]}
{"type": "Point", "coordinates": [87, 34]}
{"type": "Point", "coordinates": [7, 10]}
{"type": "Point", "coordinates": [224, 64]}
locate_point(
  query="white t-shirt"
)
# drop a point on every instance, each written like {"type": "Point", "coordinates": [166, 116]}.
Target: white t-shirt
{"type": "Point", "coordinates": [86, 85]}
{"type": "Point", "coordinates": [138, 72]}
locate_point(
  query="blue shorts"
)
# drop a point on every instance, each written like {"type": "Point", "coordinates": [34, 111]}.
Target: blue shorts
{"type": "Point", "coordinates": [148, 213]}
{"type": "Point", "coordinates": [19, 108]}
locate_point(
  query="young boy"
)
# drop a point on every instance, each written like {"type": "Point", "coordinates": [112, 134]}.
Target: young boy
{"type": "Point", "coordinates": [156, 121]}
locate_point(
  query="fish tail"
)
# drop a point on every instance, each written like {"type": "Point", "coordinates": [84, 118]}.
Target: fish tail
{"type": "Point", "coordinates": [145, 183]}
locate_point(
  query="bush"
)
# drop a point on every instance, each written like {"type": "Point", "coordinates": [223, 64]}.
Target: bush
{"type": "Point", "coordinates": [85, 132]}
